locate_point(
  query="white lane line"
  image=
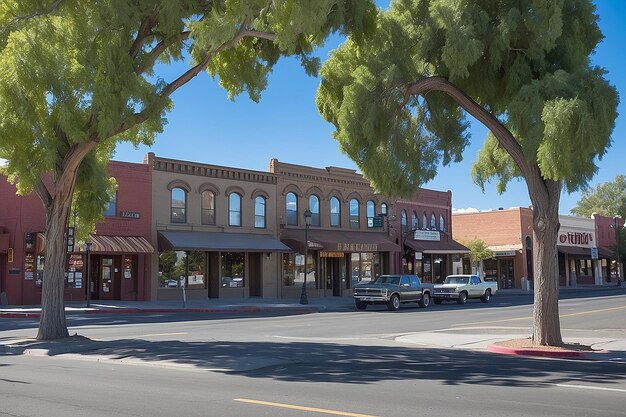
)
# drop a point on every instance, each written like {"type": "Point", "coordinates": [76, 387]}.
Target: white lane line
{"type": "Point", "coordinates": [590, 388]}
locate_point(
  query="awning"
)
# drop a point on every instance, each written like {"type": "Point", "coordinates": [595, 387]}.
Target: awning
{"type": "Point", "coordinates": [585, 252]}
{"type": "Point", "coordinates": [120, 244]}
{"type": "Point", "coordinates": [338, 241]}
{"type": "Point", "coordinates": [443, 246]}
{"type": "Point", "coordinates": [219, 241]}
{"type": "Point", "coordinates": [4, 242]}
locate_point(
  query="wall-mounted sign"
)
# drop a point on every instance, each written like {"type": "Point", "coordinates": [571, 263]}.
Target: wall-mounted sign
{"type": "Point", "coordinates": [594, 253]}
{"type": "Point", "coordinates": [505, 253]}
{"type": "Point", "coordinates": [357, 247]}
{"type": "Point", "coordinates": [432, 235]}
{"type": "Point", "coordinates": [583, 239]}
{"type": "Point", "coordinates": [29, 241]}
{"type": "Point", "coordinates": [330, 254]}
{"type": "Point", "coordinates": [130, 214]}
{"type": "Point", "coordinates": [10, 255]}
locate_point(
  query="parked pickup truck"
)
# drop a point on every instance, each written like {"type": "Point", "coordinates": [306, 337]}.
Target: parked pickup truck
{"type": "Point", "coordinates": [391, 290]}
{"type": "Point", "coordinates": [462, 287]}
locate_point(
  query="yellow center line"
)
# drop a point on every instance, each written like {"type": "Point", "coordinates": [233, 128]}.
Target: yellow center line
{"type": "Point", "coordinates": [580, 313]}
{"type": "Point", "coordinates": [302, 408]}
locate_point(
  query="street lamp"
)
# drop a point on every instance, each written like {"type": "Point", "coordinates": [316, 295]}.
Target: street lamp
{"type": "Point", "coordinates": [307, 222]}
{"type": "Point", "coordinates": [88, 284]}
{"type": "Point", "coordinates": [616, 225]}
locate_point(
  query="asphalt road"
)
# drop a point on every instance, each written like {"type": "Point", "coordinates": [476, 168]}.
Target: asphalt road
{"type": "Point", "coordinates": [342, 363]}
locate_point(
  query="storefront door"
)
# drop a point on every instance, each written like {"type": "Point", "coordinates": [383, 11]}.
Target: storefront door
{"type": "Point", "coordinates": [507, 273]}
{"type": "Point", "coordinates": [332, 274]}
{"type": "Point", "coordinates": [105, 277]}
{"type": "Point", "coordinates": [254, 273]}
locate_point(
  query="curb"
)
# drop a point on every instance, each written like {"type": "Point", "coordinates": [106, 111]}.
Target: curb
{"type": "Point", "coordinates": [571, 354]}
{"type": "Point", "coordinates": [248, 309]}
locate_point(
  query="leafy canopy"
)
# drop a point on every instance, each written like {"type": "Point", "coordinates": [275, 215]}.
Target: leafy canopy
{"type": "Point", "coordinates": [606, 199]}
{"type": "Point", "coordinates": [76, 72]}
{"type": "Point", "coordinates": [525, 62]}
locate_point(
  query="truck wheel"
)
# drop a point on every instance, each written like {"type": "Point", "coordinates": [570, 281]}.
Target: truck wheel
{"type": "Point", "coordinates": [486, 296]}
{"type": "Point", "coordinates": [424, 301]}
{"type": "Point", "coordinates": [394, 303]}
{"type": "Point", "coordinates": [462, 298]}
{"type": "Point", "coordinates": [360, 305]}
{"type": "Point", "coordinates": [438, 300]}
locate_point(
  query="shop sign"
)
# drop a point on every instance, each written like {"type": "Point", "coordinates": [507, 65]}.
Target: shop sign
{"type": "Point", "coordinates": [594, 253]}
{"type": "Point", "coordinates": [10, 255]}
{"type": "Point", "coordinates": [505, 253]}
{"type": "Point", "coordinates": [130, 214]}
{"type": "Point", "coordinates": [376, 221]}
{"type": "Point", "coordinates": [357, 247]}
{"type": "Point", "coordinates": [576, 238]}
{"type": "Point", "coordinates": [431, 235]}
{"type": "Point", "coordinates": [418, 256]}
{"type": "Point", "coordinates": [330, 254]}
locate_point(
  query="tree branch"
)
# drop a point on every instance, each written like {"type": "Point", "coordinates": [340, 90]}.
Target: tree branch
{"type": "Point", "coordinates": [159, 49]}
{"type": "Point", "coordinates": [46, 11]}
{"type": "Point", "coordinates": [505, 138]}
{"type": "Point", "coordinates": [145, 29]}
{"type": "Point", "coordinates": [43, 193]}
{"type": "Point", "coordinates": [142, 116]}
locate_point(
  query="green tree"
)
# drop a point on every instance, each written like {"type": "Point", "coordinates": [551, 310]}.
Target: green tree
{"type": "Point", "coordinates": [76, 77]}
{"type": "Point", "coordinates": [167, 262]}
{"type": "Point", "coordinates": [479, 251]}
{"type": "Point", "coordinates": [607, 199]}
{"type": "Point", "coordinates": [521, 67]}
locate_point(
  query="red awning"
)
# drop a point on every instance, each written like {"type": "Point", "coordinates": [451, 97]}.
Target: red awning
{"type": "Point", "coordinates": [120, 244]}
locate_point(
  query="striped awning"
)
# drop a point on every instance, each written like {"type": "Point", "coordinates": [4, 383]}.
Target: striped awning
{"type": "Point", "coordinates": [120, 244]}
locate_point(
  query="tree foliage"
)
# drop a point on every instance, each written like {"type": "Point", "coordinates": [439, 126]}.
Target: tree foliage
{"type": "Point", "coordinates": [479, 251]}
{"type": "Point", "coordinates": [77, 77]}
{"type": "Point", "coordinates": [606, 199]}
{"type": "Point", "coordinates": [399, 100]}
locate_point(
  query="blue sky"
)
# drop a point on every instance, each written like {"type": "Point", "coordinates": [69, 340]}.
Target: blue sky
{"type": "Point", "coordinates": [206, 127]}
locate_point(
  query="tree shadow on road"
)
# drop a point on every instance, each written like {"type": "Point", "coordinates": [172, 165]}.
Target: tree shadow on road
{"type": "Point", "coordinates": [359, 364]}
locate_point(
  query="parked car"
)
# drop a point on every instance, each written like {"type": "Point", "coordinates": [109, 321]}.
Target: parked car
{"type": "Point", "coordinates": [462, 287]}
{"type": "Point", "coordinates": [391, 290]}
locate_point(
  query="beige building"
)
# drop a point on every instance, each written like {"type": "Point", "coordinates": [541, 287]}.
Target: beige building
{"type": "Point", "coordinates": [216, 231]}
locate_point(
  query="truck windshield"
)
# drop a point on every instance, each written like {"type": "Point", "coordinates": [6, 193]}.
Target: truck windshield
{"type": "Point", "coordinates": [457, 280]}
{"type": "Point", "coordinates": [386, 279]}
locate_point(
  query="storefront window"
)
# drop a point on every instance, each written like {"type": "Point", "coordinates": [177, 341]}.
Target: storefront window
{"type": "Point", "coordinates": [178, 205]}
{"type": "Point", "coordinates": [233, 269]}
{"type": "Point", "coordinates": [433, 222]}
{"type": "Point", "coordinates": [208, 207]}
{"type": "Point", "coordinates": [314, 208]}
{"type": "Point", "coordinates": [259, 212]}
{"type": "Point", "coordinates": [75, 271]}
{"type": "Point", "coordinates": [289, 272]}
{"type": "Point", "coordinates": [414, 222]}
{"type": "Point", "coordinates": [364, 267]}
{"type": "Point", "coordinates": [442, 223]}
{"type": "Point", "coordinates": [424, 222]}
{"type": "Point", "coordinates": [173, 267]}
{"type": "Point", "coordinates": [234, 209]}
{"type": "Point", "coordinates": [335, 212]}
{"type": "Point", "coordinates": [371, 212]}
{"type": "Point", "coordinates": [354, 214]}
{"type": "Point", "coordinates": [292, 209]}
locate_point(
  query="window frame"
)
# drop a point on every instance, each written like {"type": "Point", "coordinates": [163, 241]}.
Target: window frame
{"type": "Point", "coordinates": [315, 215]}
{"type": "Point", "coordinates": [184, 208]}
{"type": "Point", "coordinates": [203, 210]}
{"type": "Point", "coordinates": [355, 222]}
{"type": "Point", "coordinates": [231, 211]}
{"type": "Point", "coordinates": [337, 214]}
{"type": "Point", "coordinates": [370, 204]}
{"type": "Point", "coordinates": [291, 215]}
{"type": "Point", "coordinates": [258, 216]}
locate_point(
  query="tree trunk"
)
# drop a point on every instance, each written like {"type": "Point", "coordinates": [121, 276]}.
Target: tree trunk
{"type": "Point", "coordinates": [52, 323]}
{"type": "Point", "coordinates": [546, 324]}
{"type": "Point", "coordinates": [544, 194]}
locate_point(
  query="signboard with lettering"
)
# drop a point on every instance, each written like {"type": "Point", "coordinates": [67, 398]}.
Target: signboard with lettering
{"type": "Point", "coordinates": [432, 235]}
{"type": "Point", "coordinates": [330, 254]}
{"type": "Point", "coordinates": [130, 214]}
{"type": "Point", "coordinates": [357, 247]}
{"type": "Point", "coordinates": [505, 253]}
{"type": "Point", "coordinates": [377, 221]}
{"type": "Point", "coordinates": [580, 239]}
{"type": "Point", "coordinates": [594, 253]}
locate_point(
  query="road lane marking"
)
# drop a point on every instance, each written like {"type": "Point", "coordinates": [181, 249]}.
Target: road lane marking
{"type": "Point", "coordinates": [161, 334]}
{"type": "Point", "coordinates": [580, 313]}
{"type": "Point", "coordinates": [302, 408]}
{"type": "Point", "coordinates": [591, 388]}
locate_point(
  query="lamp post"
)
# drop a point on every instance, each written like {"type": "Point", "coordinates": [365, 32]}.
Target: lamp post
{"type": "Point", "coordinates": [307, 222]}
{"type": "Point", "coordinates": [616, 225]}
{"type": "Point", "coordinates": [88, 283]}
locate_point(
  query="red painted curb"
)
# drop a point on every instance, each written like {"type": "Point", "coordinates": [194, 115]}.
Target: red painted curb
{"type": "Point", "coordinates": [247, 309]}
{"type": "Point", "coordinates": [505, 350]}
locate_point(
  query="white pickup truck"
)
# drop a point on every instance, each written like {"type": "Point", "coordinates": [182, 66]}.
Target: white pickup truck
{"type": "Point", "coordinates": [462, 287]}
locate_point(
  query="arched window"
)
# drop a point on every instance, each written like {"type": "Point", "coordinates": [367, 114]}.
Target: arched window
{"type": "Point", "coordinates": [208, 207]}
{"type": "Point", "coordinates": [371, 213]}
{"type": "Point", "coordinates": [335, 212]}
{"type": "Point", "coordinates": [442, 223]}
{"type": "Point", "coordinates": [292, 209]}
{"type": "Point", "coordinates": [414, 222]}
{"type": "Point", "coordinates": [383, 208]}
{"type": "Point", "coordinates": [259, 212]}
{"type": "Point", "coordinates": [314, 208]}
{"type": "Point", "coordinates": [403, 221]}
{"type": "Point", "coordinates": [433, 222]}
{"type": "Point", "coordinates": [424, 222]}
{"type": "Point", "coordinates": [354, 213]}
{"type": "Point", "coordinates": [179, 205]}
{"type": "Point", "coordinates": [234, 209]}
